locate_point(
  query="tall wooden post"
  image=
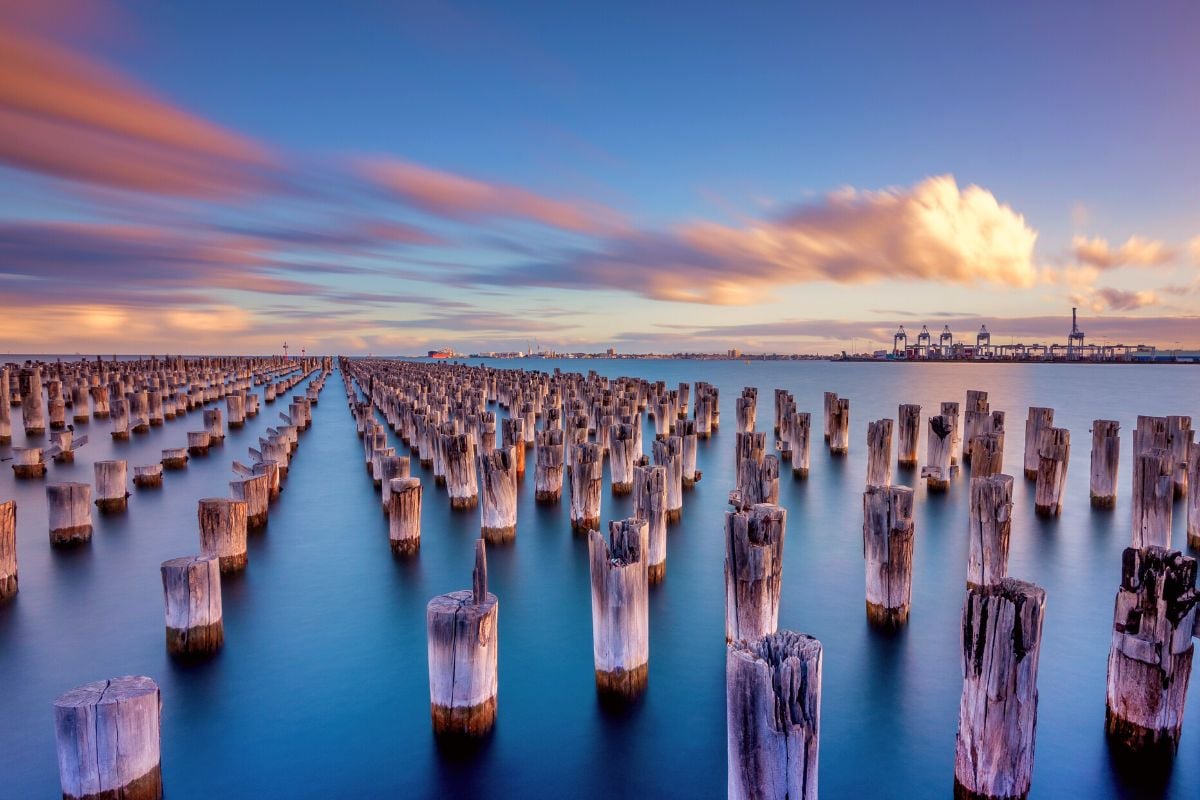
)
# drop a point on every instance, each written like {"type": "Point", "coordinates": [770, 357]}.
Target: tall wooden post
{"type": "Point", "coordinates": [1054, 452]}
{"type": "Point", "coordinates": [773, 708]}
{"type": "Point", "coordinates": [620, 608]}
{"type": "Point", "coordinates": [1038, 420]}
{"type": "Point", "coordinates": [650, 505]}
{"type": "Point", "coordinates": [888, 539]}
{"type": "Point", "coordinates": [908, 434]}
{"type": "Point", "coordinates": [997, 716]}
{"type": "Point", "coordinates": [753, 570]}
{"type": "Point", "coordinates": [1106, 455]}
{"type": "Point", "coordinates": [989, 530]}
{"type": "Point", "coordinates": [192, 597]}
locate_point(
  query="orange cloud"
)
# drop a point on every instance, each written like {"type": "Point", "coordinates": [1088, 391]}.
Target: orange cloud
{"type": "Point", "coordinates": [1137, 251]}
{"type": "Point", "coordinates": [457, 197]}
{"type": "Point", "coordinates": [70, 116]}
{"type": "Point", "coordinates": [931, 231]}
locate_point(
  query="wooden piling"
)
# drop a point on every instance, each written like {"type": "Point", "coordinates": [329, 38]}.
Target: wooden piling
{"type": "Point", "coordinates": [1054, 452]}
{"type": "Point", "coordinates": [512, 434]}
{"type": "Point", "coordinates": [111, 494]}
{"type": "Point", "coordinates": [1152, 495]}
{"type": "Point", "coordinates": [148, 476]}
{"type": "Point", "coordinates": [28, 463]}
{"type": "Point", "coordinates": [462, 483]}
{"type": "Point", "coordinates": [908, 434]}
{"type": "Point", "coordinates": [192, 598]}
{"type": "Point", "coordinates": [498, 506]}
{"type": "Point", "coordinates": [773, 716]}
{"type": "Point", "coordinates": [801, 443]}
{"type": "Point", "coordinates": [214, 424]}
{"type": "Point", "coordinates": [5, 407]}
{"type": "Point", "coordinates": [404, 516]}
{"type": "Point", "coordinates": [1179, 437]}
{"type": "Point", "coordinates": [839, 427]}
{"type": "Point", "coordinates": [198, 443]}
{"type": "Point", "coordinates": [256, 492]}
{"type": "Point", "coordinates": [1106, 455]}
{"type": "Point", "coordinates": [975, 416]}
{"type": "Point", "coordinates": [668, 453]}
{"type": "Point", "coordinates": [1193, 499]}
{"type": "Point", "coordinates": [879, 452]}
{"type": "Point", "coordinates": [621, 457]}
{"type": "Point", "coordinates": [223, 531]}
{"type": "Point", "coordinates": [8, 538]}
{"type": "Point", "coordinates": [175, 458]}
{"type": "Point", "coordinates": [390, 468]}
{"type": "Point", "coordinates": [587, 478]}
{"type": "Point", "coordinates": [1150, 660]}
{"type": "Point", "coordinates": [888, 539]}
{"type": "Point", "coordinates": [462, 629]}
{"type": "Point", "coordinates": [997, 715]}
{"type": "Point", "coordinates": [69, 506]}
{"type": "Point", "coordinates": [940, 448]}
{"type": "Point", "coordinates": [650, 505]}
{"type": "Point", "coordinates": [235, 407]}
{"type": "Point", "coordinates": [989, 530]}
{"type": "Point", "coordinates": [108, 740]}
{"type": "Point", "coordinates": [753, 570]}
{"type": "Point", "coordinates": [548, 470]}
{"type": "Point", "coordinates": [620, 608]}
{"type": "Point", "coordinates": [1039, 419]}
{"type": "Point", "coordinates": [987, 455]}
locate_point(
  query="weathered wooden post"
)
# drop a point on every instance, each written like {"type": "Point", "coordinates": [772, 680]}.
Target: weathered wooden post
{"type": "Point", "coordinates": [235, 406]}
{"type": "Point", "coordinates": [801, 444]}
{"type": "Point", "coordinates": [987, 455]}
{"type": "Point", "coordinates": [687, 435]}
{"type": "Point", "coordinates": [111, 494]}
{"type": "Point", "coordinates": [753, 570]}
{"type": "Point", "coordinates": [512, 434]}
{"type": "Point", "coordinates": [462, 483]}
{"type": "Point", "coordinates": [587, 478]}
{"type": "Point", "coordinates": [1038, 420]}
{"type": "Point", "coordinates": [620, 608]}
{"type": "Point", "coordinates": [1150, 660]}
{"type": "Point", "coordinates": [28, 463]}
{"type": "Point", "coordinates": [1193, 502]}
{"type": "Point", "coordinates": [404, 516]}
{"type": "Point", "coordinates": [975, 415]}
{"type": "Point", "coordinates": [650, 505]}
{"type": "Point", "coordinates": [668, 453]}
{"type": "Point", "coordinates": [119, 427]}
{"type": "Point", "coordinates": [1152, 495]}
{"type": "Point", "coordinates": [746, 410]}
{"type": "Point", "coordinates": [214, 424]}
{"type": "Point", "coordinates": [8, 537]}
{"type": "Point", "coordinates": [548, 471]}
{"type": "Point", "coordinates": [949, 411]}
{"type": "Point", "coordinates": [908, 434]}
{"type": "Point", "coordinates": [997, 716]}
{"type": "Point", "coordinates": [1054, 452]}
{"type": "Point", "coordinates": [773, 713]}
{"type": "Point", "coordinates": [888, 539]}
{"type": "Point", "coordinates": [621, 457]}
{"type": "Point", "coordinates": [1106, 455]}
{"type": "Point", "coordinates": [192, 597]}
{"type": "Point", "coordinates": [463, 637]}
{"type": "Point", "coordinates": [989, 530]}
{"type": "Point", "coordinates": [498, 509]}
{"type": "Point", "coordinates": [70, 510]}
{"type": "Point", "coordinates": [879, 452]}
{"type": "Point", "coordinates": [108, 740]}
{"type": "Point", "coordinates": [5, 407]}
{"type": "Point", "coordinates": [256, 492]}
{"type": "Point", "coordinates": [391, 467]}
{"type": "Point", "coordinates": [839, 427]}
{"type": "Point", "coordinates": [33, 412]}
{"type": "Point", "coordinates": [271, 470]}
{"type": "Point", "coordinates": [223, 531]}
{"type": "Point", "coordinates": [198, 442]}
{"type": "Point", "coordinates": [175, 458]}
{"type": "Point", "coordinates": [1179, 437]}
{"type": "Point", "coordinates": [940, 447]}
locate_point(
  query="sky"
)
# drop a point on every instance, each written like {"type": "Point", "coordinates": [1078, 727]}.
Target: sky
{"type": "Point", "coordinates": [390, 177]}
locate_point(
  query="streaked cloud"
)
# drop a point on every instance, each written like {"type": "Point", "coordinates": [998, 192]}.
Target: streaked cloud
{"type": "Point", "coordinates": [933, 231]}
{"type": "Point", "coordinates": [458, 197]}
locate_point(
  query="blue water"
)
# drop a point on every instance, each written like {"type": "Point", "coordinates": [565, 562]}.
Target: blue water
{"type": "Point", "coordinates": [321, 689]}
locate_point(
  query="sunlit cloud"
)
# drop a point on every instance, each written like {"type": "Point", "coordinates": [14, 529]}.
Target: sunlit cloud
{"type": "Point", "coordinates": [934, 231]}
{"type": "Point", "coordinates": [1136, 251]}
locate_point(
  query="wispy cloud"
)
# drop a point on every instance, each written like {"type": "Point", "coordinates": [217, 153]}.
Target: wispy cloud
{"type": "Point", "coordinates": [1136, 251]}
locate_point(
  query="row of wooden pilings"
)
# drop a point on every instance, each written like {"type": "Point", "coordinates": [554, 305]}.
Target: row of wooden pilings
{"type": "Point", "coordinates": [773, 677]}
{"type": "Point", "coordinates": [108, 732]}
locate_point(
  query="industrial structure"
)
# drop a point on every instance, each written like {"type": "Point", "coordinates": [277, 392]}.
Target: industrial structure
{"type": "Point", "coordinates": [946, 349]}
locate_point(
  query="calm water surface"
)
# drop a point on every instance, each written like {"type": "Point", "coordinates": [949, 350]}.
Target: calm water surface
{"type": "Point", "coordinates": [322, 690]}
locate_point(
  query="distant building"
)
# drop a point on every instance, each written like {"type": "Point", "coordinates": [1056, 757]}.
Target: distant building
{"type": "Point", "coordinates": [612, 352]}
{"type": "Point", "coordinates": [735, 353]}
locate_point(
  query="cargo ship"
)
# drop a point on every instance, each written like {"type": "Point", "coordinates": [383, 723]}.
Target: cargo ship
{"type": "Point", "coordinates": [443, 353]}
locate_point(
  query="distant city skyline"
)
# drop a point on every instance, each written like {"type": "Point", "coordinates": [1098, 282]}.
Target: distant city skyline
{"type": "Point", "coordinates": [404, 177]}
